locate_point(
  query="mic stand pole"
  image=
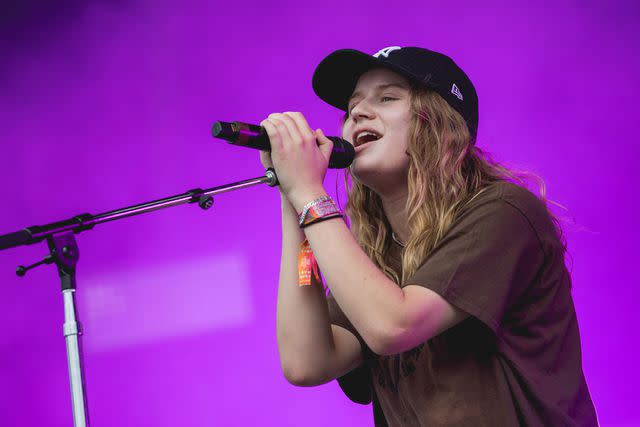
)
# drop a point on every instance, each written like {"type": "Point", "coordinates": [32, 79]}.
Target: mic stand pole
{"type": "Point", "coordinates": [64, 252]}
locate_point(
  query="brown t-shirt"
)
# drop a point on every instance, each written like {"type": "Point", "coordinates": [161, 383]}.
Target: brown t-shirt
{"type": "Point", "coordinates": [515, 361]}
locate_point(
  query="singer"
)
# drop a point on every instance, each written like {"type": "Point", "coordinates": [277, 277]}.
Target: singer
{"type": "Point", "coordinates": [449, 302]}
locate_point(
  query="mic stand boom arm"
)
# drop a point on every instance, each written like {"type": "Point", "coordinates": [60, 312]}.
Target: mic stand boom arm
{"type": "Point", "coordinates": [83, 222]}
{"type": "Point", "coordinates": [64, 253]}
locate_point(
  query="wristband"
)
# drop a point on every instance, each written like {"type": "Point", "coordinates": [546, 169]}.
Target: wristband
{"type": "Point", "coordinates": [307, 265]}
{"type": "Point", "coordinates": [320, 219]}
{"type": "Point", "coordinates": [318, 210]}
{"type": "Point", "coordinates": [305, 208]}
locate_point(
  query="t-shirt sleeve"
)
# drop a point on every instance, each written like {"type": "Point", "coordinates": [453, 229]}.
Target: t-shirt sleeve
{"type": "Point", "coordinates": [356, 384]}
{"type": "Point", "coordinates": [485, 262]}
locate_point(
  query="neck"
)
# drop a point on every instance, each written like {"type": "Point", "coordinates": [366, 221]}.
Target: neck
{"type": "Point", "coordinates": [393, 190]}
{"type": "Point", "coordinates": [395, 209]}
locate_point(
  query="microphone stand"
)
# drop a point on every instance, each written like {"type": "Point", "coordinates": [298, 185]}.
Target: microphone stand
{"type": "Point", "coordinates": [64, 252]}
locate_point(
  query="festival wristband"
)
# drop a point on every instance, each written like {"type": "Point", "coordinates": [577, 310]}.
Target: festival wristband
{"type": "Point", "coordinates": [318, 210]}
{"type": "Point", "coordinates": [307, 265]}
{"type": "Point", "coordinates": [311, 204]}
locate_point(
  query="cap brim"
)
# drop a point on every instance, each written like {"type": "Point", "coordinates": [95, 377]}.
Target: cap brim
{"type": "Point", "coordinates": [336, 76]}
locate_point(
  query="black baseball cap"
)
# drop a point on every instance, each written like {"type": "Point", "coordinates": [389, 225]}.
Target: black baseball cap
{"type": "Point", "coordinates": [336, 77]}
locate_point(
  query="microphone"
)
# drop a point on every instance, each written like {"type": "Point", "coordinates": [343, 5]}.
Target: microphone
{"type": "Point", "coordinates": [252, 136]}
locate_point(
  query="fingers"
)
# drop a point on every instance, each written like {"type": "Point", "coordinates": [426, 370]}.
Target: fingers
{"type": "Point", "coordinates": [321, 137]}
{"type": "Point", "coordinates": [324, 144]}
{"type": "Point", "coordinates": [265, 159]}
{"type": "Point", "coordinates": [290, 127]}
{"type": "Point", "coordinates": [277, 132]}
{"type": "Point", "coordinates": [303, 129]}
{"type": "Point", "coordinates": [300, 163]}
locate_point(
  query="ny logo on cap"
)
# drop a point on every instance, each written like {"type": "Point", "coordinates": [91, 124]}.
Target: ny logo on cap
{"type": "Point", "coordinates": [386, 51]}
{"type": "Point", "coordinates": [456, 92]}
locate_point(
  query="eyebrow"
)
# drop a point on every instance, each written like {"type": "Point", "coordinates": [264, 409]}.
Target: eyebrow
{"type": "Point", "coordinates": [380, 88]}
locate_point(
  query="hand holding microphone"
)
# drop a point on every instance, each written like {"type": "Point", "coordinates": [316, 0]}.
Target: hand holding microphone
{"type": "Point", "coordinates": [252, 136]}
{"type": "Point", "coordinates": [300, 155]}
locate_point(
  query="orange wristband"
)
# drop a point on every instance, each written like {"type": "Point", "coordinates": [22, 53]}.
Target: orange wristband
{"type": "Point", "coordinates": [306, 265]}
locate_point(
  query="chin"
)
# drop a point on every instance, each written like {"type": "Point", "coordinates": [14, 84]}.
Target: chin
{"type": "Point", "coordinates": [365, 169]}
{"type": "Point", "coordinates": [380, 175]}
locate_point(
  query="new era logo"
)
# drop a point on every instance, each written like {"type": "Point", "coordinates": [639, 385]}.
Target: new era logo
{"type": "Point", "coordinates": [386, 51]}
{"type": "Point", "coordinates": [456, 92]}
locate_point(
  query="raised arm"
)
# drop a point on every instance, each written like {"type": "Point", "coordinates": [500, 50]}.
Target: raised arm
{"type": "Point", "coordinates": [312, 351]}
{"type": "Point", "coordinates": [389, 319]}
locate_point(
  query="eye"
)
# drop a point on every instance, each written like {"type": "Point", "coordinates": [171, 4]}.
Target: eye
{"type": "Point", "coordinates": [387, 98]}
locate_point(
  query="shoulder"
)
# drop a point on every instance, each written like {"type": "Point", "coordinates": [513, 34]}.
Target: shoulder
{"type": "Point", "coordinates": [507, 192]}
{"type": "Point", "coordinates": [499, 199]}
{"type": "Point", "coordinates": [504, 201]}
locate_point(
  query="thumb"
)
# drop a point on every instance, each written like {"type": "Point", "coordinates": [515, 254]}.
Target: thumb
{"type": "Point", "coordinates": [324, 144]}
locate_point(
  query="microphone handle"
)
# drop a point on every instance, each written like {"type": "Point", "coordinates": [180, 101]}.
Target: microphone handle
{"type": "Point", "coordinates": [243, 134]}
{"type": "Point", "coordinates": [252, 136]}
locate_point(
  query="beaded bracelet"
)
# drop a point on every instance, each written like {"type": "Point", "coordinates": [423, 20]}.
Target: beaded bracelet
{"type": "Point", "coordinates": [305, 208]}
{"type": "Point", "coordinates": [318, 210]}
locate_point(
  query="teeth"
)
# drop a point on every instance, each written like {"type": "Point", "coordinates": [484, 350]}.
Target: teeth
{"type": "Point", "coordinates": [366, 133]}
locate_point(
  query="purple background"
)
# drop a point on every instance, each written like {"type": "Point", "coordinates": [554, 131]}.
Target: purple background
{"type": "Point", "coordinates": [110, 104]}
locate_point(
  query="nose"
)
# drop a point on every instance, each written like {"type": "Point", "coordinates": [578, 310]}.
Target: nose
{"type": "Point", "coordinates": [362, 110]}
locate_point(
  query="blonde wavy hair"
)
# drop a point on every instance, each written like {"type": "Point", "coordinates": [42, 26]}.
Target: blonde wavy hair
{"type": "Point", "coordinates": [446, 171]}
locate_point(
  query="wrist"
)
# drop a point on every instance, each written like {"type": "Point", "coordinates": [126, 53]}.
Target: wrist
{"type": "Point", "coordinates": [299, 200]}
{"type": "Point", "coordinates": [288, 211]}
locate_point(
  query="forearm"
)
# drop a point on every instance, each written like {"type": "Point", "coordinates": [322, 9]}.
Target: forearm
{"type": "Point", "coordinates": [368, 297]}
{"type": "Point", "coordinates": [303, 329]}
{"type": "Point", "coordinates": [376, 306]}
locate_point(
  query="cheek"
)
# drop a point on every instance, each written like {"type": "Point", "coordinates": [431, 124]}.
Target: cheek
{"type": "Point", "coordinates": [347, 138]}
{"type": "Point", "coordinates": [399, 140]}
{"type": "Point", "coordinates": [404, 124]}
{"type": "Point", "coordinates": [347, 130]}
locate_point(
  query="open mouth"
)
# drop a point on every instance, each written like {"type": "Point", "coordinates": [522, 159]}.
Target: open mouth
{"type": "Point", "coordinates": [365, 136]}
